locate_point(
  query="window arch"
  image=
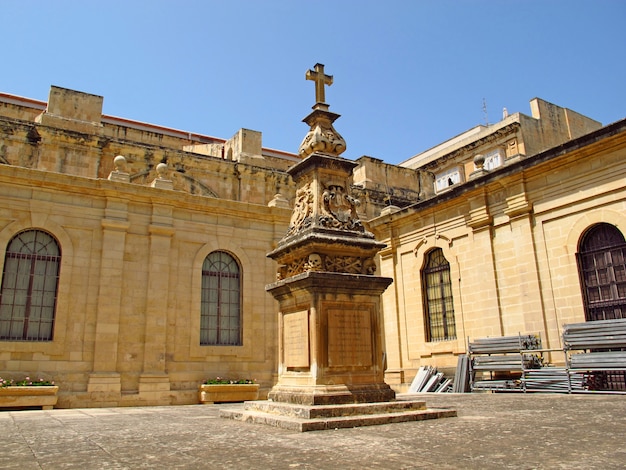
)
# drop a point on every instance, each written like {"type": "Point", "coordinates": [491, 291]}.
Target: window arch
{"type": "Point", "coordinates": [438, 304]}
{"type": "Point", "coordinates": [602, 268]}
{"type": "Point", "coordinates": [220, 316]}
{"type": "Point", "coordinates": [30, 281]}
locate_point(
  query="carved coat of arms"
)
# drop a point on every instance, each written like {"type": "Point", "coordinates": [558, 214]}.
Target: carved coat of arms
{"type": "Point", "coordinates": [339, 209]}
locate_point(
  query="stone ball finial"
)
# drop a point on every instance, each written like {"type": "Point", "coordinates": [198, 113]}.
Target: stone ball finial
{"type": "Point", "coordinates": [161, 170]}
{"type": "Point", "coordinates": [120, 163]}
{"type": "Point", "coordinates": [479, 161]}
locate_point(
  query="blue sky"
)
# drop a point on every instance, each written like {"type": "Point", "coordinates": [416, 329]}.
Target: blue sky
{"type": "Point", "coordinates": [408, 74]}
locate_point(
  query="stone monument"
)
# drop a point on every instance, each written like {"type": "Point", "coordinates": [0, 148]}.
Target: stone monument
{"type": "Point", "coordinates": [330, 337]}
{"type": "Point", "coordinates": [330, 371]}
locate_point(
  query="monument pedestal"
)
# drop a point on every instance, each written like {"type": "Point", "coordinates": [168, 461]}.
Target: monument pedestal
{"type": "Point", "coordinates": [330, 349]}
{"type": "Point", "coordinates": [331, 394]}
{"type": "Point", "coordinates": [331, 372]}
{"type": "Point", "coordinates": [304, 418]}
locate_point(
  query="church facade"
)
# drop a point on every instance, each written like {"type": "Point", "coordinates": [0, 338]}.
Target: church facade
{"type": "Point", "coordinates": [135, 256]}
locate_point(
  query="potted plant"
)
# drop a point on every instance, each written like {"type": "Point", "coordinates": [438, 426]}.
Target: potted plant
{"type": "Point", "coordinates": [221, 390]}
{"type": "Point", "coordinates": [28, 393]}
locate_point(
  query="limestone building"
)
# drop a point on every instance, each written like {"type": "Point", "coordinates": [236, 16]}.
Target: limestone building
{"type": "Point", "coordinates": [523, 234]}
{"type": "Point", "coordinates": [134, 256]}
{"type": "Point", "coordinates": [131, 253]}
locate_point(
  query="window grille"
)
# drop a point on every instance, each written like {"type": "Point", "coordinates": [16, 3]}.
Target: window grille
{"type": "Point", "coordinates": [220, 317]}
{"type": "Point", "coordinates": [439, 306]}
{"type": "Point", "coordinates": [30, 280]}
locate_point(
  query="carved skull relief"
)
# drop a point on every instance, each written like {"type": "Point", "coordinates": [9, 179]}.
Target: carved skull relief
{"type": "Point", "coordinates": [314, 263]}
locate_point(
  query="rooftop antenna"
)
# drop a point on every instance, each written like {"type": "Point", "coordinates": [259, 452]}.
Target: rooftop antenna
{"type": "Point", "coordinates": [485, 112]}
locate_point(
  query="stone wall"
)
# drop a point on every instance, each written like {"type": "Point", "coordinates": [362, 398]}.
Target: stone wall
{"type": "Point", "coordinates": [62, 139]}
{"type": "Point", "coordinates": [128, 309]}
{"type": "Point", "coordinates": [511, 240]}
{"type": "Point", "coordinates": [127, 319]}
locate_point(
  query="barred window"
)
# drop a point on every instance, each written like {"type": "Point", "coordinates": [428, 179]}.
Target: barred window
{"type": "Point", "coordinates": [438, 308]}
{"type": "Point", "coordinates": [220, 317]}
{"type": "Point", "coordinates": [602, 268]}
{"type": "Point", "coordinates": [30, 280]}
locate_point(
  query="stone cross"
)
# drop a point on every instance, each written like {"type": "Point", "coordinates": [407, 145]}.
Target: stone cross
{"type": "Point", "coordinates": [320, 80]}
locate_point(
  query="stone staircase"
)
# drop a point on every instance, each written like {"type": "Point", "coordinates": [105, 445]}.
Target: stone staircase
{"type": "Point", "coordinates": [304, 418]}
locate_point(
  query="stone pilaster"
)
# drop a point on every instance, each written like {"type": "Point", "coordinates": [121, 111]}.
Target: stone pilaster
{"type": "Point", "coordinates": [154, 379]}
{"type": "Point", "coordinates": [105, 377]}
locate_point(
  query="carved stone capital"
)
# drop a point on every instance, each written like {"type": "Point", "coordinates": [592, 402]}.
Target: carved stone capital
{"type": "Point", "coordinates": [322, 137]}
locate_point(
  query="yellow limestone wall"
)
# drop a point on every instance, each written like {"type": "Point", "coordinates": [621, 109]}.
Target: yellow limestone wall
{"type": "Point", "coordinates": [128, 310]}
{"type": "Point", "coordinates": [511, 244]}
{"type": "Point", "coordinates": [127, 325]}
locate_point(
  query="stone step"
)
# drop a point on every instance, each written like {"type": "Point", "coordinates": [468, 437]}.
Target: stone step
{"type": "Point", "coordinates": [319, 424]}
{"type": "Point", "coordinates": [332, 411]}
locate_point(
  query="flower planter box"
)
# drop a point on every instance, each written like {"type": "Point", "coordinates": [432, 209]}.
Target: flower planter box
{"type": "Point", "coordinates": [44, 396]}
{"type": "Point", "coordinates": [227, 393]}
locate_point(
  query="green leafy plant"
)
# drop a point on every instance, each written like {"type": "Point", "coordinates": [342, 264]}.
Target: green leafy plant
{"type": "Point", "coordinates": [25, 382]}
{"type": "Point", "coordinates": [223, 381]}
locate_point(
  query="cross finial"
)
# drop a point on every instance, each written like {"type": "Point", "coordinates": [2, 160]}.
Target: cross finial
{"type": "Point", "coordinates": [320, 80]}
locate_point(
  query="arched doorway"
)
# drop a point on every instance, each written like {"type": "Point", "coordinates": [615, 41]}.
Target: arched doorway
{"type": "Point", "coordinates": [602, 268]}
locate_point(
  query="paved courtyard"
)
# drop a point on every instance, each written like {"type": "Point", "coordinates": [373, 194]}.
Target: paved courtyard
{"type": "Point", "coordinates": [492, 431]}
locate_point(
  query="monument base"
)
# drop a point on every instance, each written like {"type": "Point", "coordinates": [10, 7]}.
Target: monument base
{"type": "Point", "coordinates": [304, 418]}
{"type": "Point", "coordinates": [332, 394]}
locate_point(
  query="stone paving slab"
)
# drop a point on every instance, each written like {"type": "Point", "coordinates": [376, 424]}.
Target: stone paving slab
{"type": "Point", "coordinates": [492, 431]}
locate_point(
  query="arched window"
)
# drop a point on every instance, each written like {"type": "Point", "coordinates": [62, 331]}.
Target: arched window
{"type": "Point", "coordinates": [30, 279]}
{"type": "Point", "coordinates": [220, 317]}
{"type": "Point", "coordinates": [438, 305]}
{"type": "Point", "coordinates": [602, 268]}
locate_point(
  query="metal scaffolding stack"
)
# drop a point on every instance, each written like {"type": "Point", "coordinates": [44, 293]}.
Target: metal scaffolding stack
{"type": "Point", "coordinates": [551, 379]}
{"type": "Point", "coordinates": [607, 360]}
{"type": "Point", "coordinates": [603, 334]}
{"type": "Point", "coordinates": [595, 360]}
{"type": "Point", "coordinates": [461, 382]}
{"type": "Point", "coordinates": [497, 363]}
{"type": "Point", "coordinates": [504, 344]}
{"type": "Point", "coordinates": [428, 379]}
{"type": "Point", "coordinates": [595, 352]}
{"type": "Point", "coordinates": [508, 362]}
